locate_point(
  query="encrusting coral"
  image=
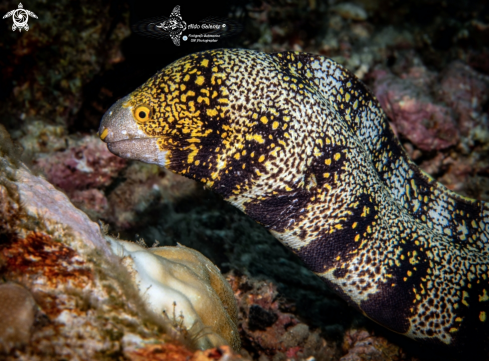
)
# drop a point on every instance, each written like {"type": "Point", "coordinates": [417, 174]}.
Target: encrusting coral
{"type": "Point", "coordinates": [181, 281]}
{"type": "Point", "coordinates": [17, 313]}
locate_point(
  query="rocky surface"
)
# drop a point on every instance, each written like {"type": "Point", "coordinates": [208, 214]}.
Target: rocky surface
{"type": "Point", "coordinates": [65, 295]}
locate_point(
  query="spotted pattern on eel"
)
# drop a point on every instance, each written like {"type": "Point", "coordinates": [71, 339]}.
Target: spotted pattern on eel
{"type": "Point", "coordinates": [300, 145]}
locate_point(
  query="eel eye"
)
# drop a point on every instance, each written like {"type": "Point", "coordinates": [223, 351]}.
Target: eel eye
{"type": "Point", "coordinates": [143, 113]}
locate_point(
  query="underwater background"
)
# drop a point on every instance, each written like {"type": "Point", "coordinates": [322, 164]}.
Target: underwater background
{"type": "Point", "coordinates": [427, 62]}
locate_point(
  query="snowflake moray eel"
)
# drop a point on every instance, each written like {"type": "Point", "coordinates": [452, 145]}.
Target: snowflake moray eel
{"type": "Point", "coordinates": [300, 145]}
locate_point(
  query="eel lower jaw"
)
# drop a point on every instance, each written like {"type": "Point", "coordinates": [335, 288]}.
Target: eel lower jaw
{"type": "Point", "coordinates": [142, 149]}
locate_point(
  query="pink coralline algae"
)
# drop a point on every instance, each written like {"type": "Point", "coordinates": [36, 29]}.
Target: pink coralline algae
{"type": "Point", "coordinates": [268, 332]}
{"type": "Point", "coordinates": [433, 110]}
{"type": "Point", "coordinates": [414, 113]}
{"type": "Point", "coordinates": [108, 187]}
{"type": "Point", "coordinates": [86, 165]}
{"type": "Point", "coordinates": [360, 345]}
{"type": "Point", "coordinates": [82, 172]}
{"type": "Point", "coordinates": [466, 91]}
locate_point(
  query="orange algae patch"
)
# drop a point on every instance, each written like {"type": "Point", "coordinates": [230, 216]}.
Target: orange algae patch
{"type": "Point", "coordinates": [39, 255]}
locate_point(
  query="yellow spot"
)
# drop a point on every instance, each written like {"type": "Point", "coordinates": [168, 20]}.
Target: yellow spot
{"type": "Point", "coordinates": [258, 138]}
{"type": "Point", "coordinates": [252, 154]}
{"type": "Point", "coordinates": [223, 100]}
{"type": "Point", "coordinates": [211, 112]}
{"type": "Point", "coordinates": [255, 116]}
{"type": "Point", "coordinates": [409, 273]}
{"type": "Point", "coordinates": [264, 120]}
{"type": "Point", "coordinates": [337, 156]}
{"type": "Point", "coordinates": [182, 87]}
{"type": "Point", "coordinates": [347, 96]}
{"type": "Point", "coordinates": [286, 118]}
{"type": "Point", "coordinates": [484, 296]}
{"type": "Point", "coordinates": [236, 156]}
{"type": "Point", "coordinates": [203, 99]}
{"type": "Point", "coordinates": [261, 159]}
{"type": "Point", "coordinates": [199, 80]}
{"type": "Point", "coordinates": [192, 154]}
{"type": "Point", "coordinates": [366, 211]}
{"type": "Point", "coordinates": [464, 296]}
{"type": "Point", "coordinates": [338, 226]}
{"type": "Point", "coordinates": [458, 319]}
{"type": "Point", "coordinates": [338, 258]}
{"type": "Point", "coordinates": [453, 329]}
{"type": "Point", "coordinates": [327, 161]}
{"type": "Point", "coordinates": [187, 77]}
{"type": "Point", "coordinates": [275, 125]}
{"type": "Point", "coordinates": [288, 189]}
{"type": "Point", "coordinates": [354, 225]}
{"type": "Point", "coordinates": [357, 238]}
{"type": "Point", "coordinates": [482, 316]}
{"type": "Point", "coordinates": [205, 62]}
{"type": "Point", "coordinates": [104, 134]}
{"type": "Point", "coordinates": [197, 162]}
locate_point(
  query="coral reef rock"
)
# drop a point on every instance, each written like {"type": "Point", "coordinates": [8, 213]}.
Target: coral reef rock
{"type": "Point", "coordinates": [70, 295]}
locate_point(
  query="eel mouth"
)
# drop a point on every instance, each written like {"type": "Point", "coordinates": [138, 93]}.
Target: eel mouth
{"type": "Point", "coordinates": [142, 149]}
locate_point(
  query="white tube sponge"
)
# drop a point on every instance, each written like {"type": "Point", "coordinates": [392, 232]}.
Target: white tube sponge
{"type": "Point", "coordinates": [181, 280]}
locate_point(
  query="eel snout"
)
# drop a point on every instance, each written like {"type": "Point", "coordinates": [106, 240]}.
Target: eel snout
{"type": "Point", "coordinates": [120, 131]}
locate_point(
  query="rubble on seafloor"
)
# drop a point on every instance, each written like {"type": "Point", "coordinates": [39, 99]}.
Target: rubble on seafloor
{"type": "Point", "coordinates": [271, 330]}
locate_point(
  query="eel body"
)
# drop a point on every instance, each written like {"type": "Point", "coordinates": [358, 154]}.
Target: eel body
{"type": "Point", "coordinates": [299, 144]}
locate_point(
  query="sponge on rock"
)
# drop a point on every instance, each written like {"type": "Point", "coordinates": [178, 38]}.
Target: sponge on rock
{"type": "Point", "coordinates": [181, 281]}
